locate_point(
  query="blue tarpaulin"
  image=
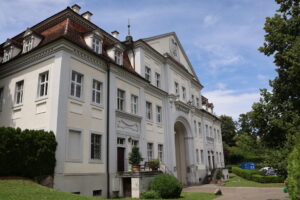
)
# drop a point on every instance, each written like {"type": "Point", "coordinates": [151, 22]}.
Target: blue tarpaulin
{"type": "Point", "coordinates": [248, 165]}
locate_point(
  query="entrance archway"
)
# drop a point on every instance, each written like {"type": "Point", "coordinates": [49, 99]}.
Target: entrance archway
{"type": "Point", "coordinates": [181, 151]}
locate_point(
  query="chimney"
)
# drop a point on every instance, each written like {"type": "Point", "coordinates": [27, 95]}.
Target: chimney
{"type": "Point", "coordinates": [87, 15]}
{"type": "Point", "coordinates": [75, 8]}
{"type": "Point", "coordinates": [115, 34]}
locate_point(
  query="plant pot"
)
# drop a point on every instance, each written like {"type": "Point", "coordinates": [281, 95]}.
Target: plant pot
{"type": "Point", "coordinates": [136, 168]}
{"type": "Point", "coordinates": [219, 181]}
{"type": "Point", "coordinates": [154, 168]}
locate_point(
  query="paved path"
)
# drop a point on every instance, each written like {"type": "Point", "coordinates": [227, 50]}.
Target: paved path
{"type": "Point", "coordinates": [241, 193]}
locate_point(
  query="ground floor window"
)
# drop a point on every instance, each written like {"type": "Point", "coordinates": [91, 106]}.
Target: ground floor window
{"type": "Point", "coordinates": [160, 152]}
{"type": "Point", "coordinates": [96, 146]}
{"type": "Point", "coordinates": [150, 151]}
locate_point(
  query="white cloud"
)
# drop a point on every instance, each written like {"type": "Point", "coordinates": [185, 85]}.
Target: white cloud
{"type": "Point", "coordinates": [221, 86]}
{"type": "Point", "coordinates": [231, 102]}
{"type": "Point", "coordinates": [262, 77]}
{"type": "Point", "coordinates": [210, 20]}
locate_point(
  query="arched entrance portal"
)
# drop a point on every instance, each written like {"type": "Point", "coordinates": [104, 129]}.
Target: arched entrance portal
{"type": "Point", "coordinates": [181, 151]}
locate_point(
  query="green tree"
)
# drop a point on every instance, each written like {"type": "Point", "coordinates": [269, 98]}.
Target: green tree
{"type": "Point", "coordinates": [228, 129]}
{"type": "Point", "coordinates": [294, 172]}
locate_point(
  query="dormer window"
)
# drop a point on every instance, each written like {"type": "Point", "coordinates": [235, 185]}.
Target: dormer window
{"type": "Point", "coordinates": [31, 40]}
{"type": "Point", "coordinates": [7, 54]}
{"type": "Point", "coordinates": [118, 57]}
{"type": "Point", "coordinates": [94, 41]}
{"type": "Point", "coordinates": [96, 46]}
{"type": "Point", "coordinates": [28, 44]}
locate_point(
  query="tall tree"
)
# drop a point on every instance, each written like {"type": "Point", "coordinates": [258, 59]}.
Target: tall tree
{"type": "Point", "coordinates": [228, 129]}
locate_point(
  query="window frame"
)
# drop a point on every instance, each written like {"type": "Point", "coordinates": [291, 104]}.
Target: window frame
{"type": "Point", "coordinates": [160, 152]}
{"type": "Point", "coordinates": [118, 57]}
{"type": "Point", "coordinates": [97, 48]}
{"type": "Point", "coordinates": [157, 80]}
{"type": "Point", "coordinates": [200, 129]}
{"type": "Point", "coordinates": [44, 84]}
{"type": "Point", "coordinates": [81, 84]}
{"type": "Point", "coordinates": [176, 87]}
{"type": "Point", "coordinates": [7, 54]}
{"type": "Point", "coordinates": [197, 156]}
{"type": "Point", "coordinates": [158, 114]}
{"type": "Point", "coordinates": [149, 111]}
{"type": "Point", "coordinates": [134, 104]}
{"type": "Point", "coordinates": [148, 73]}
{"type": "Point", "coordinates": [121, 101]}
{"type": "Point", "coordinates": [28, 44]}
{"type": "Point", "coordinates": [21, 91]}
{"type": "Point", "coordinates": [97, 160]}
{"type": "Point", "coordinates": [150, 151]}
{"type": "Point", "coordinates": [97, 91]}
{"type": "Point", "coordinates": [183, 92]}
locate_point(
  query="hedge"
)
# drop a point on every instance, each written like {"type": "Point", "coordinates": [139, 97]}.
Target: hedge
{"type": "Point", "coordinates": [28, 153]}
{"type": "Point", "coordinates": [294, 172]}
{"type": "Point", "coordinates": [254, 175]}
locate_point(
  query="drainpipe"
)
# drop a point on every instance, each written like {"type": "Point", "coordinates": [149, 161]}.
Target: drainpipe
{"type": "Point", "coordinates": [107, 130]}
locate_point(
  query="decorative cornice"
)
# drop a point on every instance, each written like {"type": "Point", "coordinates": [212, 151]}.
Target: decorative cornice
{"type": "Point", "coordinates": [182, 106]}
{"type": "Point", "coordinates": [129, 116]}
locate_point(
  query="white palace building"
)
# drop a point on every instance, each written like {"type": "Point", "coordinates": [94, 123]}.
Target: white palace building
{"type": "Point", "coordinates": [101, 95]}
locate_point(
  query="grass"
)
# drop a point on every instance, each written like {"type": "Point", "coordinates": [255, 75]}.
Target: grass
{"type": "Point", "coordinates": [27, 190]}
{"type": "Point", "coordinates": [237, 181]}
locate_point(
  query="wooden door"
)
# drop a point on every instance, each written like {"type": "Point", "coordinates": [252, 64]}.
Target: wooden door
{"type": "Point", "coordinates": [127, 187]}
{"type": "Point", "coordinates": [121, 159]}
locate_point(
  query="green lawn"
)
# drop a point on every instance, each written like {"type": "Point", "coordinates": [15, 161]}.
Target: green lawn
{"type": "Point", "coordinates": [27, 190]}
{"type": "Point", "coordinates": [236, 181]}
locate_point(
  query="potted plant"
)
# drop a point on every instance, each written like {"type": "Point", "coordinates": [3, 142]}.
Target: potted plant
{"type": "Point", "coordinates": [135, 159]}
{"type": "Point", "coordinates": [154, 164]}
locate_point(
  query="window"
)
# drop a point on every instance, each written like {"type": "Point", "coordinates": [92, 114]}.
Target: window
{"type": "Point", "coordinates": [217, 157]}
{"type": "Point", "coordinates": [43, 84]}
{"type": "Point", "coordinates": [96, 45]}
{"type": "Point", "coordinates": [19, 92]}
{"type": "Point", "coordinates": [193, 100]}
{"type": "Point", "coordinates": [121, 100]}
{"type": "Point", "coordinates": [97, 193]}
{"type": "Point", "coordinates": [215, 134]}
{"type": "Point", "coordinates": [150, 151]}
{"type": "Point", "coordinates": [197, 156]}
{"type": "Point", "coordinates": [121, 141]}
{"type": "Point", "coordinates": [183, 93]}
{"type": "Point", "coordinates": [148, 73]}
{"type": "Point", "coordinates": [199, 129]}
{"type": "Point", "coordinates": [76, 84]}
{"type": "Point", "coordinates": [206, 130]}
{"type": "Point", "coordinates": [148, 110]}
{"type": "Point", "coordinates": [96, 146]}
{"type": "Point", "coordinates": [97, 92]}
{"type": "Point", "coordinates": [158, 114]}
{"type": "Point", "coordinates": [1, 97]}
{"type": "Point", "coordinates": [202, 156]}
{"type": "Point", "coordinates": [210, 132]}
{"type": "Point", "coordinates": [176, 87]}
{"type": "Point", "coordinates": [195, 127]}
{"type": "Point", "coordinates": [74, 144]}
{"type": "Point", "coordinates": [197, 102]}
{"type": "Point", "coordinates": [157, 79]}
{"type": "Point", "coordinates": [118, 58]}
{"type": "Point", "coordinates": [7, 54]}
{"type": "Point", "coordinates": [134, 104]}
{"type": "Point", "coordinates": [134, 143]}
{"type": "Point", "coordinates": [28, 44]}
{"type": "Point", "coordinates": [160, 151]}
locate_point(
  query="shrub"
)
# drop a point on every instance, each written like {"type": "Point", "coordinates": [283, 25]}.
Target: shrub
{"type": "Point", "coordinates": [28, 153]}
{"type": "Point", "coordinates": [294, 173]}
{"type": "Point", "coordinates": [255, 175]}
{"type": "Point", "coordinates": [154, 164]}
{"type": "Point", "coordinates": [167, 186]}
{"type": "Point", "coordinates": [151, 194]}
{"type": "Point", "coordinates": [135, 157]}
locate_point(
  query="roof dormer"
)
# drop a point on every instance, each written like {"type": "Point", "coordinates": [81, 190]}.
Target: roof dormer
{"type": "Point", "coordinates": [116, 53]}
{"type": "Point", "coordinates": [94, 40]}
{"type": "Point", "coordinates": [30, 41]}
{"type": "Point", "coordinates": [10, 50]}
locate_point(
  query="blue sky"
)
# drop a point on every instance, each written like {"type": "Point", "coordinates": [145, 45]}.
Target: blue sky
{"type": "Point", "coordinates": [221, 37]}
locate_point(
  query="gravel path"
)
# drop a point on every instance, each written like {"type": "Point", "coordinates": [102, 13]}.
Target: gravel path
{"type": "Point", "coordinates": [241, 193]}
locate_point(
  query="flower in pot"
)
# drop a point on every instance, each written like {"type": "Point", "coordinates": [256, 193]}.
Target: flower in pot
{"type": "Point", "coordinates": [154, 164]}
{"type": "Point", "coordinates": [135, 159]}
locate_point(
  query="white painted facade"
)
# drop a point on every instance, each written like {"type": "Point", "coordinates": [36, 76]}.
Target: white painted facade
{"type": "Point", "coordinates": [74, 119]}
